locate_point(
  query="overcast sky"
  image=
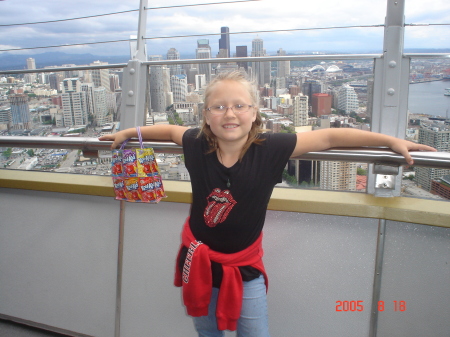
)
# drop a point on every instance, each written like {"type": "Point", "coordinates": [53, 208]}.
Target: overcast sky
{"type": "Point", "coordinates": [239, 17]}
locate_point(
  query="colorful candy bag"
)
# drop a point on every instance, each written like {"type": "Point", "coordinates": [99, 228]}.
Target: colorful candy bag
{"type": "Point", "coordinates": [135, 173]}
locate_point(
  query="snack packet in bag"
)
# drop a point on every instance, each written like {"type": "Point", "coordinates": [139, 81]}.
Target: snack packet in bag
{"type": "Point", "coordinates": [132, 189]}
{"type": "Point", "coordinates": [147, 191]}
{"type": "Point", "coordinates": [146, 162]}
{"type": "Point", "coordinates": [119, 188]}
{"type": "Point", "coordinates": [116, 163]}
{"type": "Point", "coordinates": [129, 161]}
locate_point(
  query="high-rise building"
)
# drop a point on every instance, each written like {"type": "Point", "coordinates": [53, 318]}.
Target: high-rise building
{"type": "Point", "coordinates": [178, 85]}
{"type": "Point", "coordinates": [224, 41]}
{"type": "Point", "coordinates": [20, 111]}
{"type": "Point", "coordinates": [300, 106]}
{"type": "Point", "coordinates": [321, 104]}
{"type": "Point", "coordinates": [113, 82]}
{"type": "Point", "coordinates": [55, 79]}
{"type": "Point", "coordinates": [203, 51]}
{"type": "Point", "coordinates": [159, 86]}
{"type": "Point", "coordinates": [311, 87]}
{"type": "Point", "coordinates": [88, 88]}
{"type": "Point", "coordinates": [100, 77]}
{"type": "Point", "coordinates": [74, 108]}
{"type": "Point", "coordinates": [191, 75]}
{"type": "Point", "coordinates": [101, 115]}
{"type": "Point", "coordinates": [436, 135]}
{"type": "Point", "coordinates": [71, 84]}
{"type": "Point", "coordinates": [261, 70]}
{"type": "Point", "coordinates": [338, 176]}
{"type": "Point", "coordinates": [175, 69]}
{"type": "Point", "coordinates": [6, 117]}
{"type": "Point", "coordinates": [283, 67]}
{"type": "Point", "coordinates": [347, 99]}
{"type": "Point", "coordinates": [241, 51]}
{"type": "Point", "coordinates": [200, 81]}
{"type": "Point", "coordinates": [31, 64]}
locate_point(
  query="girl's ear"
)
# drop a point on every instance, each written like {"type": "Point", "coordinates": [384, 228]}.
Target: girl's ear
{"type": "Point", "coordinates": [206, 117]}
{"type": "Point", "coordinates": [254, 115]}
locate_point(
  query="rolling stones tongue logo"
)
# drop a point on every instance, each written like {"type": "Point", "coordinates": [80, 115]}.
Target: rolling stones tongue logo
{"type": "Point", "coordinates": [219, 205]}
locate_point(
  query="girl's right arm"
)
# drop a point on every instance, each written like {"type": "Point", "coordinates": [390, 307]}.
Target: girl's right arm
{"type": "Point", "coordinates": [172, 133]}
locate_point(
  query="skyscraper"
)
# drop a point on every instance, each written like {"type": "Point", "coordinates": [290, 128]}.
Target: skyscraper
{"type": "Point", "coordinates": [203, 51]}
{"type": "Point", "coordinates": [20, 112]}
{"type": "Point", "coordinates": [261, 70]}
{"type": "Point", "coordinates": [241, 51]}
{"type": "Point", "coordinates": [224, 41]}
{"type": "Point", "coordinates": [159, 86]}
{"type": "Point", "coordinates": [283, 67]}
{"type": "Point", "coordinates": [178, 85]}
{"type": "Point", "coordinates": [300, 110]}
{"type": "Point", "coordinates": [321, 104]}
{"type": "Point", "coordinates": [31, 64]}
{"type": "Point", "coordinates": [87, 88]}
{"type": "Point", "coordinates": [100, 77]}
{"type": "Point", "coordinates": [338, 176]}
{"type": "Point", "coordinates": [311, 87]}
{"type": "Point", "coordinates": [101, 115]}
{"type": "Point", "coordinates": [173, 54]}
{"type": "Point", "coordinates": [347, 99]}
{"type": "Point", "coordinates": [74, 108]}
{"type": "Point", "coordinates": [438, 136]}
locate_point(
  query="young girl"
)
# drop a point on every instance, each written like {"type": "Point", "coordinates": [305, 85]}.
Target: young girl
{"type": "Point", "coordinates": [233, 169]}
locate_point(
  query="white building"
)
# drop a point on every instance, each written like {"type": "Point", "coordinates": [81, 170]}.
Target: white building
{"type": "Point", "coordinates": [159, 88]}
{"type": "Point", "coordinates": [300, 107]}
{"type": "Point", "coordinates": [74, 108]}
{"type": "Point", "coordinates": [100, 77]}
{"type": "Point", "coordinates": [338, 176]}
{"type": "Point", "coordinates": [200, 81]}
{"type": "Point", "coordinates": [101, 115]}
{"type": "Point", "coordinates": [283, 67]}
{"type": "Point", "coordinates": [347, 99]}
{"type": "Point", "coordinates": [178, 85]}
{"type": "Point", "coordinates": [173, 54]}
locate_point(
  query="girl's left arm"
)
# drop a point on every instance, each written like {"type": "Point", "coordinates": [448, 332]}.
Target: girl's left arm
{"type": "Point", "coordinates": [323, 139]}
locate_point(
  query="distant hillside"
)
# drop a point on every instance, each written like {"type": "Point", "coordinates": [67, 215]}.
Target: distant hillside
{"type": "Point", "coordinates": [18, 61]}
{"type": "Point", "coordinates": [15, 61]}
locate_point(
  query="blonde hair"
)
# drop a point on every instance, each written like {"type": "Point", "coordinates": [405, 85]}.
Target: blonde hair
{"type": "Point", "coordinates": [254, 95]}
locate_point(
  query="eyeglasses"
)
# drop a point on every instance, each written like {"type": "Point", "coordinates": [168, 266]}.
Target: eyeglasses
{"type": "Point", "coordinates": [221, 109]}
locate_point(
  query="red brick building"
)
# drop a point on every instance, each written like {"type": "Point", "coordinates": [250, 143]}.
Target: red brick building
{"type": "Point", "coordinates": [321, 104]}
{"type": "Point", "coordinates": [441, 186]}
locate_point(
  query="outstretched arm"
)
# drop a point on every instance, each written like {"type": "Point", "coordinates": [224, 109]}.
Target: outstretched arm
{"type": "Point", "coordinates": [343, 137]}
{"type": "Point", "coordinates": [172, 133]}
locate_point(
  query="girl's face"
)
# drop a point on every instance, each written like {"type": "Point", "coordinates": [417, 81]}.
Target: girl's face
{"type": "Point", "coordinates": [230, 127]}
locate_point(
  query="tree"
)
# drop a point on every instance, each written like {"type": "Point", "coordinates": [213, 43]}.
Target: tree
{"type": "Point", "coordinates": [291, 180]}
{"type": "Point", "coordinates": [361, 172]}
{"type": "Point", "coordinates": [7, 153]}
{"type": "Point", "coordinates": [30, 152]}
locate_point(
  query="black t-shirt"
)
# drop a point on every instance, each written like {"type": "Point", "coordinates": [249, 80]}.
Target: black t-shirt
{"type": "Point", "coordinates": [229, 219]}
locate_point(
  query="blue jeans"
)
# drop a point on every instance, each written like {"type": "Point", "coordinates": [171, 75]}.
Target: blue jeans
{"type": "Point", "coordinates": [254, 319]}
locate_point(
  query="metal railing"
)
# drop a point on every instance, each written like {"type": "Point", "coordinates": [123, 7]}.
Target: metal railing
{"type": "Point", "coordinates": [369, 155]}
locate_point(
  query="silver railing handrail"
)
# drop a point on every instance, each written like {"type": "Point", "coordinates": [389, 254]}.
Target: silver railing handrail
{"type": "Point", "coordinates": [374, 155]}
{"type": "Point", "coordinates": [231, 59]}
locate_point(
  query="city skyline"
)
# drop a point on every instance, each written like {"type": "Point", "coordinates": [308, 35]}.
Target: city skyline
{"type": "Point", "coordinates": [252, 16]}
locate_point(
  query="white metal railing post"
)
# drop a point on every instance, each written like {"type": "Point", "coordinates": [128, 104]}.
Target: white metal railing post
{"type": "Point", "coordinates": [132, 113]}
{"type": "Point", "coordinates": [390, 98]}
{"type": "Point", "coordinates": [134, 86]}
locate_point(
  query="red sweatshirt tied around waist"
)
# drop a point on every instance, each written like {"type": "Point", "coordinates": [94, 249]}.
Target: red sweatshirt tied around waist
{"type": "Point", "coordinates": [196, 278]}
